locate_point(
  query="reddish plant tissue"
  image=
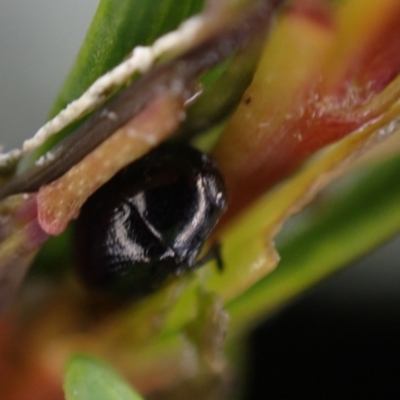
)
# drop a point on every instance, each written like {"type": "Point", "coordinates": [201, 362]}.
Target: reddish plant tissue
{"type": "Point", "coordinates": [379, 64]}
{"type": "Point", "coordinates": [322, 114]}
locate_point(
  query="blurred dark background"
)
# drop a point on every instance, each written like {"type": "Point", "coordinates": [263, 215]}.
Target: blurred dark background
{"type": "Point", "coordinates": [339, 341]}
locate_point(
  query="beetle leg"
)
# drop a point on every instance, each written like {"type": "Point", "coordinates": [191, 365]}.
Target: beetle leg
{"type": "Point", "coordinates": [214, 253]}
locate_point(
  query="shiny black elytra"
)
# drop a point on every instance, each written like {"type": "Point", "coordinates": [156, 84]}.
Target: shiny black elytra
{"type": "Point", "coordinates": [149, 222]}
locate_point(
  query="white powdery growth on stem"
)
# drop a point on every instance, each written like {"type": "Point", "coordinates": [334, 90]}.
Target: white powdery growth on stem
{"type": "Point", "coordinates": [140, 60]}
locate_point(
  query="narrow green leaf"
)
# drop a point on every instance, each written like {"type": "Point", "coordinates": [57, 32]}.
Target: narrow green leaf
{"type": "Point", "coordinates": [352, 222]}
{"type": "Point", "coordinates": [118, 26]}
{"type": "Point", "coordinates": [88, 379]}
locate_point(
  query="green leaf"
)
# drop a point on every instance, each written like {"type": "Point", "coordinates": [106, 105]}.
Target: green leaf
{"type": "Point", "coordinates": [88, 379]}
{"type": "Point", "coordinates": [352, 222]}
{"type": "Point", "coordinates": [118, 26]}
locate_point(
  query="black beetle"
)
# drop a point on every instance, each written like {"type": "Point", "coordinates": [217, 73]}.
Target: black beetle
{"type": "Point", "coordinates": [149, 222]}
